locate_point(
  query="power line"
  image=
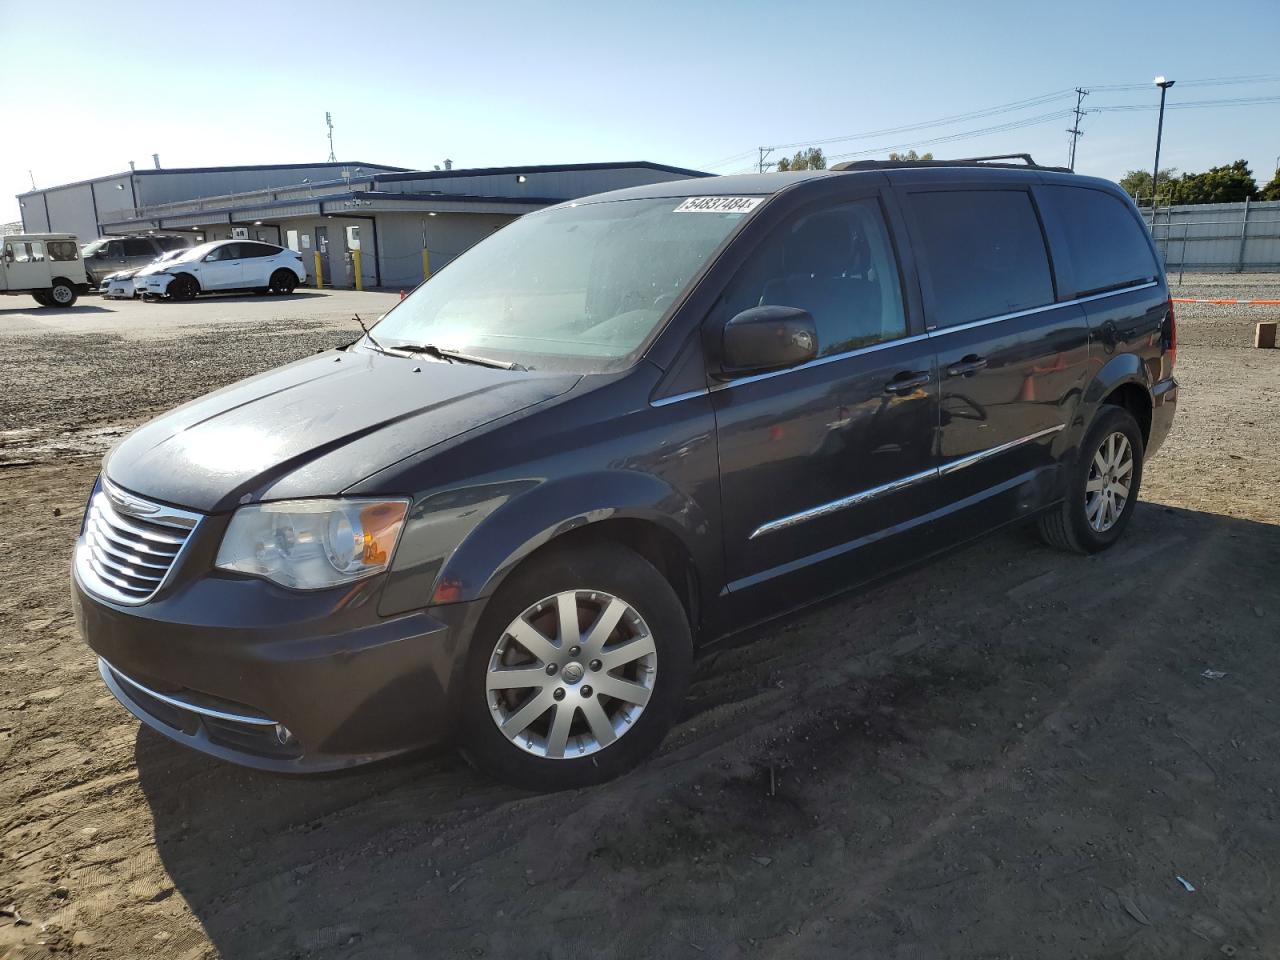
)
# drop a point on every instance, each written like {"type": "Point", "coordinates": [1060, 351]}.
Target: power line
{"type": "Point", "coordinates": [1075, 131]}
{"type": "Point", "coordinates": [963, 135]}
{"type": "Point", "coordinates": [1189, 104]}
{"type": "Point", "coordinates": [941, 121]}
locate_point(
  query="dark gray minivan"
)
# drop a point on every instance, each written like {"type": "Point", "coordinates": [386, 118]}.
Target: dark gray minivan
{"type": "Point", "coordinates": [615, 430]}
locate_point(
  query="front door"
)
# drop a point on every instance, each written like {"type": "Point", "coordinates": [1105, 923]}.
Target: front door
{"type": "Point", "coordinates": [1012, 360]}
{"type": "Point", "coordinates": [824, 465]}
{"type": "Point", "coordinates": [223, 268]}
{"type": "Point", "coordinates": [25, 265]}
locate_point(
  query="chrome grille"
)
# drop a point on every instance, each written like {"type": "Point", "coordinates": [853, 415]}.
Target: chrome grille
{"type": "Point", "coordinates": [129, 544]}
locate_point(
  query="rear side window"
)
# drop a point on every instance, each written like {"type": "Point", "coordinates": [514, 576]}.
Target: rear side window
{"type": "Point", "coordinates": [838, 264]}
{"type": "Point", "coordinates": [139, 248]}
{"type": "Point", "coordinates": [63, 250]}
{"type": "Point", "coordinates": [258, 250]}
{"type": "Point", "coordinates": [1106, 246]}
{"type": "Point", "coordinates": [983, 254]}
{"type": "Point", "coordinates": [171, 243]}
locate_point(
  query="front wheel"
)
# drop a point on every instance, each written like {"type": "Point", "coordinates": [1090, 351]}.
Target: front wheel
{"type": "Point", "coordinates": [1103, 487]}
{"type": "Point", "coordinates": [183, 287]}
{"type": "Point", "coordinates": [62, 294]}
{"type": "Point", "coordinates": [283, 281]}
{"type": "Point", "coordinates": [577, 670]}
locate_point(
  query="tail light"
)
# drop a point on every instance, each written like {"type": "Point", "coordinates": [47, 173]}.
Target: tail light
{"type": "Point", "coordinates": [1169, 336]}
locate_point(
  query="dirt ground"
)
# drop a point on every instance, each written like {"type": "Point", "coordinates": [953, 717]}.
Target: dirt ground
{"type": "Point", "coordinates": [1008, 753]}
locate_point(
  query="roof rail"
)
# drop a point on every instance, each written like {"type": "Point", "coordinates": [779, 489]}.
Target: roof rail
{"type": "Point", "coordinates": [992, 161]}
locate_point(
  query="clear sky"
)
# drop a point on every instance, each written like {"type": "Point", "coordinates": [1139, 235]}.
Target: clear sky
{"type": "Point", "coordinates": [90, 86]}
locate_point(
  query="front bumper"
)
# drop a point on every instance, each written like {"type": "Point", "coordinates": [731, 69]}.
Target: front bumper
{"type": "Point", "coordinates": [1164, 404]}
{"type": "Point", "coordinates": [156, 285]}
{"type": "Point", "coordinates": [118, 289]}
{"type": "Point", "coordinates": [278, 680]}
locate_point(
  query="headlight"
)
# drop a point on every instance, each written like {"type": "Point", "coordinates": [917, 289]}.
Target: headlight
{"type": "Point", "coordinates": [312, 544]}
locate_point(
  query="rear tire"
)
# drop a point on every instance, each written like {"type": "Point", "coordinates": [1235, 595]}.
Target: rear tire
{"type": "Point", "coordinates": [647, 663]}
{"type": "Point", "coordinates": [42, 298]}
{"type": "Point", "coordinates": [1102, 490]}
{"type": "Point", "coordinates": [183, 287]}
{"type": "Point", "coordinates": [62, 294]}
{"type": "Point", "coordinates": [283, 282]}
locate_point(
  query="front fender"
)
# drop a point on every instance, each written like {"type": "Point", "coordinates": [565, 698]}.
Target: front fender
{"type": "Point", "coordinates": [485, 531]}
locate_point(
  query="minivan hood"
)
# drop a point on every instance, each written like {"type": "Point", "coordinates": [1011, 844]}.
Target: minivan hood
{"type": "Point", "coordinates": [315, 427]}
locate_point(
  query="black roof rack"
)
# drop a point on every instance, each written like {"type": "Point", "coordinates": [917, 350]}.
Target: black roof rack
{"type": "Point", "coordinates": [992, 161]}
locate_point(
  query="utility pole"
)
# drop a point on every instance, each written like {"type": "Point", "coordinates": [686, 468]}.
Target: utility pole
{"type": "Point", "coordinates": [764, 152]}
{"type": "Point", "coordinates": [1164, 86]}
{"type": "Point", "coordinates": [328, 119]}
{"type": "Point", "coordinates": [1075, 131]}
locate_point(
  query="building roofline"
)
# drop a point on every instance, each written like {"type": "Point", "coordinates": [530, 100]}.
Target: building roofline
{"type": "Point", "coordinates": [230, 212]}
{"type": "Point", "coordinates": [380, 167]}
{"type": "Point", "coordinates": [273, 166]}
{"type": "Point", "coordinates": [539, 168]}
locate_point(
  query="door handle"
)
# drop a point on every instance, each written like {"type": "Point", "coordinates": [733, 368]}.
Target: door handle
{"type": "Point", "coordinates": [967, 367]}
{"type": "Point", "coordinates": [907, 381]}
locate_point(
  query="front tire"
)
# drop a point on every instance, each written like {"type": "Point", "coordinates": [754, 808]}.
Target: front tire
{"type": "Point", "coordinates": [62, 294]}
{"type": "Point", "coordinates": [577, 669]}
{"type": "Point", "coordinates": [1102, 490]}
{"type": "Point", "coordinates": [283, 281]}
{"type": "Point", "coordinates": [183, 287]}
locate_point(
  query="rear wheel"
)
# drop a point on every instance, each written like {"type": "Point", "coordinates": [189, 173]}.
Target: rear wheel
{"type": "Point", "coordinates": [577, 670]}
{"type": "Point", "coordinates": [42, 297]}
{"type": "Point", "coordinates": [183, 287]}
{"type": "Point", "coordinates": [1103, 487]}
{"type": "Point", "coordinates": [283, 281]}
{"type": "Point", "coordinates": [62, 294]}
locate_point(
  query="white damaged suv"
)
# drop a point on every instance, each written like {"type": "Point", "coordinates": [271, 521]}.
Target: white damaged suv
{"type": "Point", "coordinates": [224, 265]}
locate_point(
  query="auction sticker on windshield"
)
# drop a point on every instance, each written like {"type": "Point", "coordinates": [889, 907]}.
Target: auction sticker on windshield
{"type": "Point", "coordinates": [719, 205]}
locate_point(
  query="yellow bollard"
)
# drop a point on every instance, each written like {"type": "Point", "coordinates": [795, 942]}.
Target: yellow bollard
{"type": "Point", "coordinates": [319, 274]}
{"type": "Point", "coordinates": [426, 264]}
{"type": "Point", "coordinates": [355, 262]}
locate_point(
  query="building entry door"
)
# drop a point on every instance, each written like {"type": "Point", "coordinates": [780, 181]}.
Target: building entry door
{"type": "Point", "coordinates": [322, 248]}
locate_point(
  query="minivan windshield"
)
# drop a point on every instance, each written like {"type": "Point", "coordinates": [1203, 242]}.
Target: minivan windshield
{"type": "Point", "coordinates": [579, 287]}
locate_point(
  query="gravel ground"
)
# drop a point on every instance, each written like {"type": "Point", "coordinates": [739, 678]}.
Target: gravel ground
{"type": "Point", "coordinates": [1009, 752]}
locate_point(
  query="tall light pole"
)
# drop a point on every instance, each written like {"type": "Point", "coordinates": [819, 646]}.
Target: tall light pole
{"type": "Point", "coordinates": [1164, 86]}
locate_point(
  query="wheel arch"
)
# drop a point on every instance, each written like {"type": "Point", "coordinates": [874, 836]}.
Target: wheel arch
{"type": "Point", "coordinates": [190, 276]}
{"type": "Point", "coordinates": [1122, 382]}
{"type": "Point", "coordinates": [636, 510]}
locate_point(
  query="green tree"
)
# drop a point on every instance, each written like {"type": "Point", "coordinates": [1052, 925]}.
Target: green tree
{"type": "Point", "coordinates": [1272, 190]}
{"type": "Point", "coordinates": [1137, 183]}
{"type": "Point", "coordinates": [911, 155]}
{"type": "Point", "coordinates": [810, 159]}
{"type": "Point", "coordinates": [1231, 183]}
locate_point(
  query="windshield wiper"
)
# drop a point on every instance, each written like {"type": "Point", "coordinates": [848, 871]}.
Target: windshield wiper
{"type": "Point", "coordinates": [452, 356]}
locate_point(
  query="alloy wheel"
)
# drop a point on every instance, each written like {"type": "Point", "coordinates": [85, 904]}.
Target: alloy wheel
{"type": "Point", "coordinates": [571, 674]}
{"type": "Point", "coordinates": [1110, 476]}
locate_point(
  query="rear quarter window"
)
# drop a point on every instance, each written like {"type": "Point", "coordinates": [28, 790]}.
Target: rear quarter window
{"type": "Point", "coordinates": [1106, 245]}
{"type": "Point", "coordinates": [63, 250]}
{"type": "Point", "coordinates": [983, 254]}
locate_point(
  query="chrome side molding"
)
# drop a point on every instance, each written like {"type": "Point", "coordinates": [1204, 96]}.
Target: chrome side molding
{"type": "Point", "coordinates": [863, 496]}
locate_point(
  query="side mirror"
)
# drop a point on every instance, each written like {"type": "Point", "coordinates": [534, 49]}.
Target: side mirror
{"type": "Point", "coordinates": [768, 338]}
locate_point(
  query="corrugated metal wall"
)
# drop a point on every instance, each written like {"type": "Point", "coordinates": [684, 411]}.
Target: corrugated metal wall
{"type": "Point", "coordinates": [1219, 237]}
